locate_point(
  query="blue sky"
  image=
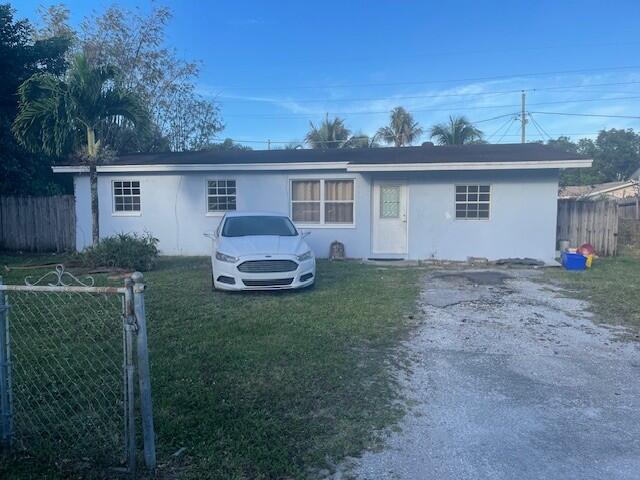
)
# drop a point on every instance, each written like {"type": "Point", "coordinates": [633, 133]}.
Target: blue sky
{"type": "Point", "coordinates": [275, 66]}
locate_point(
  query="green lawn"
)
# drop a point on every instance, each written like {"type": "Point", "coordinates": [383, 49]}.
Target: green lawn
{"type": "Point", "coordinates": [268, 385]}
{"type": "Point", "coordinates": [612, 286]}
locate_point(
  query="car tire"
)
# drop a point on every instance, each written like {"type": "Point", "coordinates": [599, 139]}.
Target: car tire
{"type": "Point", "coordinates": [213, 283]}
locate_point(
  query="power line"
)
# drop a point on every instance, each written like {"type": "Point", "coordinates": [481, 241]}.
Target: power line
{"type": "Point", "coordinates": [500, 128]}
{"type": "Point", "coordinates": [494, 118]}
{"type": "Point", "coordinates": [632, 117]}
{"type": "Point", "coordinates": [537, 126]}
{"type": "Point", "coordinates": [506, 134]}
{"type": "Point", "coordinates": [423, 82]}
{"type": "Point", "coordinates": [513, 121]}
{"type": "Point", "coordinates": [341, 141]}
{"type": "Point", "coordinates": [416, 97]}
{"type": "Point", "coordinates": [442, 108]}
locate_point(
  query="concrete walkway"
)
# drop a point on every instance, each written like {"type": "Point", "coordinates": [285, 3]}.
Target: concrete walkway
{"type": "Point", "coordinates": [511, 380]}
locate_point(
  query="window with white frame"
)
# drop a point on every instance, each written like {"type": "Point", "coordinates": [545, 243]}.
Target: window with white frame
{"type": "Point", "coordinates": [126, 196]}
{"type": "Point", "coordinates": [322, 202]}
{"type": "Point", "coordinates": [221, 195]}
{"type": "Point", "coordinates": [473, 201]}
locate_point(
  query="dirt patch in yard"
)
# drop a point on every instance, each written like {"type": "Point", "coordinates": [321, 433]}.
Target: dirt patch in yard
{"type": "Point", "coordinates": [482, 277]}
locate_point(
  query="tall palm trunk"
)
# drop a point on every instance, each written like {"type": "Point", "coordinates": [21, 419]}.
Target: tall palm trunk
{"type": "Point", "coordinates": [93, 180]}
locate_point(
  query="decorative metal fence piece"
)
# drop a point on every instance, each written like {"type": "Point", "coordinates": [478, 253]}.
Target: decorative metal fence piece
{"type": "Point", "coordinates": [68, 358]}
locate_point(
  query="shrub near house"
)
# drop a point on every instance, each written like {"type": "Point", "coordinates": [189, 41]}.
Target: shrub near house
{"type": "Point", "coordinates": [124, 250]}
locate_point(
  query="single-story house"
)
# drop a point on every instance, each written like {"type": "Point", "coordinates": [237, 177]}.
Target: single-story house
{"type": "Point", "coordinates": [622, 189]}
{"type": "Point", "coordinates": [429, 202]}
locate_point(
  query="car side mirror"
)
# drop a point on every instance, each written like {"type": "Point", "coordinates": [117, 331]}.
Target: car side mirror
{"type": "Point", "coordinates": [211, 235]}
{"type": "Point", "coordinates": [305, 234]}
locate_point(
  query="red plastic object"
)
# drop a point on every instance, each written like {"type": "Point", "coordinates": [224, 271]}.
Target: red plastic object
{"type": "Point", "coordinates": [586, 249]}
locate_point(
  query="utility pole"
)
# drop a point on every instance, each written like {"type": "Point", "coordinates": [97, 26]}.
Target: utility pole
{"type": "Point", "coordinates": [523, 119]}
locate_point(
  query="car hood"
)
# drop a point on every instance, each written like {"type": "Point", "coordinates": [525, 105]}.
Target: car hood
{"type": "Point", "coordinates": [262, 245]}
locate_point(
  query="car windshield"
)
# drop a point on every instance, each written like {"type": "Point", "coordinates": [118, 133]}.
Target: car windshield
{"type": "Point", "coordinates": [258, 225]}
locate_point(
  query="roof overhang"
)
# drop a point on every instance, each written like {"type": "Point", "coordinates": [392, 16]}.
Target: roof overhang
{"type": "Point", "coordinates": [371, 167]}
{"type": "Point", "coordinates": [595, 193]}
{"type": "Point", "coordinates": [422, 167]}
{"type": "Point", "coordinates": [203, 167]}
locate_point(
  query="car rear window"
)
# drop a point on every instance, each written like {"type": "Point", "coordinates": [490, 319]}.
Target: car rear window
{"type": "Point", "coordinates": [258, 225]}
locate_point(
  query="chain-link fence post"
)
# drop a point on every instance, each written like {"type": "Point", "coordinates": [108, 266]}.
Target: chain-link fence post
{"type": "Point", "coordinates": [144, 377]}
{"type": "Point", "coordinates": [129, 380]}
{"type": "Point", "coordinates": [5, 382]}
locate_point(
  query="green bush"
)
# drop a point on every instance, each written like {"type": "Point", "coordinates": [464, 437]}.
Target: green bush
{"type": "Point", "coordinates": [124, 250]}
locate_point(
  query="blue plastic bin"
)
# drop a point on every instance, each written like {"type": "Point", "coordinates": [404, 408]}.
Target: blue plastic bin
{"type": "Point", "coordinates": [574, 261]}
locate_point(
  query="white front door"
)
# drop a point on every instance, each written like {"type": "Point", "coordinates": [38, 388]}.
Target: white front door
{"type": "Point", "coordinates": [389, 218]}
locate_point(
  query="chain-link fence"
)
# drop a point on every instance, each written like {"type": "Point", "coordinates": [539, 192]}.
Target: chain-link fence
{"type": "Point", "coordinates": [67, 387]}
{"type": "Point", "coordinates": [68, 395]}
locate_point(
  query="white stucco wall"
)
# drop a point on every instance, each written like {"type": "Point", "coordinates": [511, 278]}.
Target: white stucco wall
{"type": "Point", "coordinates": [522, 221]}
{"type": "Point", "coordinates": [174, 209]}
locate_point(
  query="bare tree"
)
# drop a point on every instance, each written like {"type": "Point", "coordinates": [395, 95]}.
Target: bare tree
{"type": "Point", "coordinates": [135, 43]}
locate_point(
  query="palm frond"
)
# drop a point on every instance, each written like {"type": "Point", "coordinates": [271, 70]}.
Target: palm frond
{"type": "Point", "coordinates": [45, 116]}
{"type": "Point", "coordinates": [402, 129]}
{"type": "Point", "coordinates": [329, 134]}
{"type": "Point", "coordinates": [458, 131]}
{"type": "Point", "coordinates": [52, 111]}
{"type": "Point", "coordinates": [118, 103]}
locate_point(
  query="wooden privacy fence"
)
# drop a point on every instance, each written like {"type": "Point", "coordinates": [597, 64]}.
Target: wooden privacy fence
{"type": "Point", "coordinates": [629, 208]}
{"type": "Point", "coordinates": [38, 224]}
{"type": "Point", "coordinates": [589, 221]}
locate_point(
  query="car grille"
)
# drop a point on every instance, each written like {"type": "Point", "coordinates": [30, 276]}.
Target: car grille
{"type": "Point", "coordinates": [267, 266]}
{"type": "Point", "coordinates": [275, 282]}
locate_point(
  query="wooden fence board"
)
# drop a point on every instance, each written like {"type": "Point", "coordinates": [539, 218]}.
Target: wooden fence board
{"type": "Point", "coordinates": [629, 208]}
{"type": "Point", "coordinates": [37, 224]}
{"type": "Point", "coordinates": [587, 221]}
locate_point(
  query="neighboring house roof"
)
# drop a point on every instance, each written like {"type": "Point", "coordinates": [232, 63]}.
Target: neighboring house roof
{"type": "Point", "coordinates": [584, 191]}
{"type": "Point", "coordinates": [482, 156]}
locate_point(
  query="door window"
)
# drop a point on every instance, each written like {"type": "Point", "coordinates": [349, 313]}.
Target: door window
{"type": "Point", "coordinates": [389, 201]}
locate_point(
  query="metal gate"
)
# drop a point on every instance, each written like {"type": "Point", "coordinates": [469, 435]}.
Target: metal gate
{"type": "Point", "coordinates": [69, 353]}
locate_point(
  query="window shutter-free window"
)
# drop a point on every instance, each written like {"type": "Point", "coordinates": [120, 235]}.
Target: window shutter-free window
{"type": "Point", "coordinates": [473, 201]}
{"type": "Point", "coordinates": [126, 196]}
{"type": "Point", "coordinates": [221, 195]}
{"type": "Point", "coordinates": [305, 201]}
{"type": "Point", "coordinates": [322, 201]}
{"type": "Point", "coordinates": [338, 198]}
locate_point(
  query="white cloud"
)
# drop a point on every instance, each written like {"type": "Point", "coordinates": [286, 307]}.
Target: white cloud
{"type": "Point", "coordinates": [365, 111]}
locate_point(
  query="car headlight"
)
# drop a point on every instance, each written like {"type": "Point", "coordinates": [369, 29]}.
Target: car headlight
{"type": "Point", "coordinates": [305, 256]}
{"type": "Point", "coordinates": [223, 257]}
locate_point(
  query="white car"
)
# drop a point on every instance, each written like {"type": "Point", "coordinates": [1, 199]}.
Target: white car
{"type": "Point", "coordinates": [260, 251]}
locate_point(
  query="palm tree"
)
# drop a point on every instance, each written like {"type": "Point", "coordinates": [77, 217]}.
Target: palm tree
{"type": "Point", "coordinates": [361, 140]}
{"type": "Point", "coordinates": [458, 131]}
{"type": "Point", "coordinates": [54, 113]}
{"type": "Point", "coordinates": [402, 129]}
{"type": "Point", "coordinates": [330, 134]}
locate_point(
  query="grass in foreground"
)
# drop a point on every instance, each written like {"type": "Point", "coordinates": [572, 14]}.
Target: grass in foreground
{"type": "Point", "coordinates": [611, 285]}
{"type": "Point", "coordinates": [269, 385]}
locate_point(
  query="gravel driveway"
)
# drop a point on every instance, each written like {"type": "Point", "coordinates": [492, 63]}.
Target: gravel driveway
{"type": "Point", "coordinates": [512, 380]}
